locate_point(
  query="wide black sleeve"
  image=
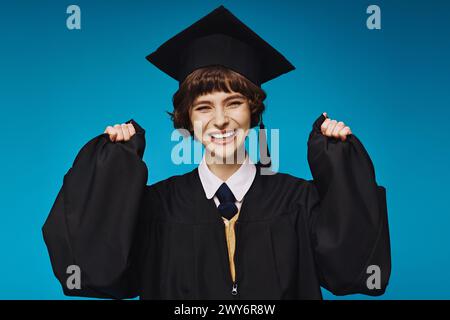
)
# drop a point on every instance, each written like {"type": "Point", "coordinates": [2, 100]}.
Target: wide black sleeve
{"type": "Point", "coordinates": [96, 222]}
{"type": "Point", "coordinates": [347, 216]}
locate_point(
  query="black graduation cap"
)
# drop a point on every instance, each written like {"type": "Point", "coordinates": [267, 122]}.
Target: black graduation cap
{"type": "Point", "coordinates": [220, 38]}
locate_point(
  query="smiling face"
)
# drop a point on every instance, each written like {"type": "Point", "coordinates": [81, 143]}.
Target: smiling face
{"type": "Point", "coordinates": [218, 106]}
{"type": "Point", "coordinates": [221, 121]}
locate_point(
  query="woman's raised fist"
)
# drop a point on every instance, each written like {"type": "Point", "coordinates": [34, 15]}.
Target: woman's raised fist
{"type": "Point", "coordinates": [120, 132]}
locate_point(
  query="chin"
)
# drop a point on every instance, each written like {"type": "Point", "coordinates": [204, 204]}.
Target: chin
{"type": "Point", "coordinates": [226, 153]}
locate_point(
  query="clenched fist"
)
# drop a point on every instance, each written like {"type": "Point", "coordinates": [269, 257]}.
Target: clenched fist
{"type": "Point", "coordinates": [120, 132]}
{"type": "Point", "coordinates": [333, 128]}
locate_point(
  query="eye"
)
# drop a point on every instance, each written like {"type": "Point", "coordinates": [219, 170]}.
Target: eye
{"type": "Point", "coordinates": [202, 108]}
{"type": "Point", "coordinates": [235, 104]}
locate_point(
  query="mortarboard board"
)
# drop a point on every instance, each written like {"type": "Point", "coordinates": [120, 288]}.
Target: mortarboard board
{"type": "Point", "coordinates": [220, 38]}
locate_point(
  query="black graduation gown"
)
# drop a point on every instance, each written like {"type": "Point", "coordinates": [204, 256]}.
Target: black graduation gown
{"type": "Point", "coordinates": [167, 241]}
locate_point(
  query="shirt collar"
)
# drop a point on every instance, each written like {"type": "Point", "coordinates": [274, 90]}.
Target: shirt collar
{"type": "Point", "coordinates": [239, 183]}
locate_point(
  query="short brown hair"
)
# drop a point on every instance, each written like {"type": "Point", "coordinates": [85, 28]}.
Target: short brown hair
{"type": "Point", "coordinates": [211, 79]}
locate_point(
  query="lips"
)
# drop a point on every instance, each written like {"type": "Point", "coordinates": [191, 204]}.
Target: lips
{"type": "Point", "coordinates": [222, 137]}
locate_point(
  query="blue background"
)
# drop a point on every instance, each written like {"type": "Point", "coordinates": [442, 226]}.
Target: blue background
{"type": "Point", "coordinates": [60, 88]}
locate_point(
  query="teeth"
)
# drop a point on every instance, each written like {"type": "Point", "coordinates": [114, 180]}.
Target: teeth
{"type": "Point", "coordinates": [222, 135]}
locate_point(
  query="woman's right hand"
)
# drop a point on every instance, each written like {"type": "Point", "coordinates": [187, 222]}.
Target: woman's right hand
{"type": "Point", "coordinates": [120, 132]}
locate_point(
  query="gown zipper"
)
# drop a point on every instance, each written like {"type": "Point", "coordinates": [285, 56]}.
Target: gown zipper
{"type": "Point", "coordinates": [234, 288]}
{"type": "Point", "coordinates": [234, 291]}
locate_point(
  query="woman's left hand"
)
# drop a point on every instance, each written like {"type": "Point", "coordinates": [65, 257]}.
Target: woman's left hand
{"type": "Point", "coordinates": [335, 129]}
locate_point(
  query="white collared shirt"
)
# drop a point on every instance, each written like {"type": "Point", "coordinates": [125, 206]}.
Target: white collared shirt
{"type": "Point", "coordinates": [239, 183]}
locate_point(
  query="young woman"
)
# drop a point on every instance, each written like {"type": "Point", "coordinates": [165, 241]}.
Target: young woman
{"type": "Point", "coordinates": [223, 230]}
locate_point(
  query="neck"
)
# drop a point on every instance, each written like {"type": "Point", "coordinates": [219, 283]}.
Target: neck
{"type": "Point", "coordinates": [221, 170]}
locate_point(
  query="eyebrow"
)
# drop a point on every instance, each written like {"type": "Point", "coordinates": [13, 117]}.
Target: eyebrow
{"type": "Point", "coordinates": [234, 96]}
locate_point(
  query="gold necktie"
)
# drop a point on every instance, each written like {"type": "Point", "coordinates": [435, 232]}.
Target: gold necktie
{"type": "Point", "coordinates": [231, 242]}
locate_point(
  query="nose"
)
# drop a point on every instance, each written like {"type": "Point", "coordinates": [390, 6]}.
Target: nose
{"type": "Point", "coordinates": [220, 118]}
